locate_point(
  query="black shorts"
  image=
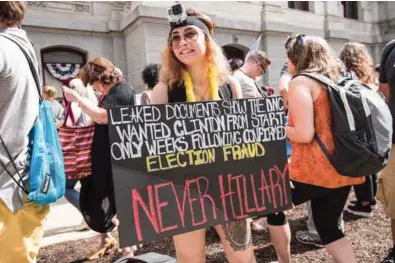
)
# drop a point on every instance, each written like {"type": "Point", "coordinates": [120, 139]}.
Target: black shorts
{"type": "Point", "coordinates": [327, 205]}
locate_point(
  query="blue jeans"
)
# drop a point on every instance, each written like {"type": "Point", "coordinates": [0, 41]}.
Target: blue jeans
{"type": "Point", "coordinates": [71, 194]}
{"type": "Point", "coordinates": [289, 147]}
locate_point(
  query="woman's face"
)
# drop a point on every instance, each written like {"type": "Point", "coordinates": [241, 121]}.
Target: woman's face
{"type": "Point", "coordinates": [98, 86]}
{"type": "Point", "coordinates": [188, 44]}
{"type": "Point", "coordinates": [291, 67]}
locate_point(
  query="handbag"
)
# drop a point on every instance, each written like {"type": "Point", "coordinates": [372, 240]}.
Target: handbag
{"type": "Point", "coordinates": [46, 172]}
{"type": "Point", "coordinates": [76, 146]}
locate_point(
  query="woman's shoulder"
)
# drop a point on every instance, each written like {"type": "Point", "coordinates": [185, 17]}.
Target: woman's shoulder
{"type": "Point", "coordinates": [305, 81]}
{"type": "Point", "coordinates": [304, 85]}
{"type": "Point", "coordinates": [145, 97]}
{"type": "Point", "coordinates": [146, 93]}
{"type": "Point", "coordinates": [161, 85]}
{"type": "Point", "coordinates": [160, 93]}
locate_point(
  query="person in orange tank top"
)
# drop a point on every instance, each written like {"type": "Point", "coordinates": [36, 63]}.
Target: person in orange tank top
{"type": "Point", "coordinates": [313, 176]}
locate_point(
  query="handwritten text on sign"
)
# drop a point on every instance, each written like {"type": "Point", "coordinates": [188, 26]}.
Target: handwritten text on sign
{"type": "Point", "coordinates": [180, 167]}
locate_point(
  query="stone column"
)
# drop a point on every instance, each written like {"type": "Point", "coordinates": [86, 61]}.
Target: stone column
{"type": "Point", "coordinates": [335, 33]}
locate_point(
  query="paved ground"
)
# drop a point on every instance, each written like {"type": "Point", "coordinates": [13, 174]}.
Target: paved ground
{"type": "Point", "coordinates": [60, 224]}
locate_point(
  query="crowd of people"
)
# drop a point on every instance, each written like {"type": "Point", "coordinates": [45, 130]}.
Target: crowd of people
{"type": "Point", "coordinates": [193, 68]}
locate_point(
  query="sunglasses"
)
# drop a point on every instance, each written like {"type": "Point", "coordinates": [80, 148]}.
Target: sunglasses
{"type": "Point", "coordinates": [189, 35]}
{"type": "Point", "coordinates": [262, 68]}
{"type": "Point", "coordinates": [300, 38]}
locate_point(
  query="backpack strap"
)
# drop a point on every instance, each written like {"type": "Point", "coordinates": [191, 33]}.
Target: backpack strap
{"type": "Point", "coordinates": [329, 83]}
{"type": "Point", "coordinates": [318, 77]}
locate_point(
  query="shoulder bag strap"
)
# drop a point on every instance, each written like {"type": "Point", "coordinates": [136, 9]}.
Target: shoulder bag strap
{"type": "Point", "coordinates": [69, 112]}
{"type": "Point", "coordinates": [102, 97]}
{"type": "Point", "coordinates": [20, 182]}
{"type": "Point", "coordinates": [31, 66]}
{"type": "Point", "coordinates": [37, 82]}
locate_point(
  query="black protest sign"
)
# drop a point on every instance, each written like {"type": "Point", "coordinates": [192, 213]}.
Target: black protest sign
{"type": "Point", "coordinates": [181, 167]}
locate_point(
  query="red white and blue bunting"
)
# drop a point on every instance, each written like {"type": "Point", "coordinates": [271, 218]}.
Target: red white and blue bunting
{"type": "Point", "coordinates": [64, 72]}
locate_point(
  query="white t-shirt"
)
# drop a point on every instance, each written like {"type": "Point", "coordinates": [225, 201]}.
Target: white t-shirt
{"type": "Point", "coordinates": [249, 88]}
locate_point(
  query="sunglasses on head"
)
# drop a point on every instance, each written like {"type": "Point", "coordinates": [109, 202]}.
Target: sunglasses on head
{"type": "Point", "coordinates": [300, 38]}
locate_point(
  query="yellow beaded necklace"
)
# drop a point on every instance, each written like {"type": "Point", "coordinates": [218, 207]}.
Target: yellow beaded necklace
{"type": "Point", "coordinates": [212, 76]}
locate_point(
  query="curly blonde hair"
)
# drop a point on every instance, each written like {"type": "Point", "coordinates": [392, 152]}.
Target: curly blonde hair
{"type": "Point", "coordinates": [356, 58]}
{"type": "Point", "coordinates": [171, 67]}
{"type": "Point", "coordinates": [313, 54]}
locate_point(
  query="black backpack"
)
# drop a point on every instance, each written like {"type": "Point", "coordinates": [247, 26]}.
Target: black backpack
{"type": "Point", "coordinates": [361, 125]}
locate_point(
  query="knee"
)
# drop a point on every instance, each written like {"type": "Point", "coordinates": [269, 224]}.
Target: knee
{"type": "Point", "coordinates": [329, 232]}
{"type": "Point", "coordinates": [278, 219]}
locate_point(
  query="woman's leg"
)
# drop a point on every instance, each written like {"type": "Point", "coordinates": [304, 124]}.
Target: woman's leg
{"type": "Point", "coordinates": [341, 251]}
{"type": "Point", "coordinates": [105, 238]}
{"type": "Point", "coordinates": [107, 243]}
{"type": "Point", "coordinates": [280, 234]}
{"type": "Point", "coordinates": [71, 194]}
{"type": "Point", "coordinates": [326, 213]}
{"type": "Point", "coordinates": [237, 240]}
{"type": "Point", "coordinates": [190, 247]}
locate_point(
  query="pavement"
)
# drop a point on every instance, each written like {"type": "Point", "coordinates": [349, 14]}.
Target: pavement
{"type": "Point", "coordinates": [60, 223]}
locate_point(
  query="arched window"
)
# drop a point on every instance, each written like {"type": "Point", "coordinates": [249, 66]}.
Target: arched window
{"type": "Point", "coordinates": [61, 64]}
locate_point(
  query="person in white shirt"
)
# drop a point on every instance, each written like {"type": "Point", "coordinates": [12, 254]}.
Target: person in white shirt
{"type": "Point", "coordinates": [81, 119]}
{"type": "Point", "coordinates": [255, 66]}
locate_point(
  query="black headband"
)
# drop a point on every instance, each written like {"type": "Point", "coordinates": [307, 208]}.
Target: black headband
{"type": "Point", "coordinates": [190, 21]}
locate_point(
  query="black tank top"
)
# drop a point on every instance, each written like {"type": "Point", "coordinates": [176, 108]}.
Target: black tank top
{"type": "Point", "coordinates": [178, 94]}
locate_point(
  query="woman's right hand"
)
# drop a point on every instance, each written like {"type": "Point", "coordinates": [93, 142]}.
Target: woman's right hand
{"type": "Point", "coordinates": [71, 95]}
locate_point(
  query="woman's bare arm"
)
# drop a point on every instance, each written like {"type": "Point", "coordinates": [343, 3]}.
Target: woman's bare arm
{"type": "Point", "coordinates": [301, 109]}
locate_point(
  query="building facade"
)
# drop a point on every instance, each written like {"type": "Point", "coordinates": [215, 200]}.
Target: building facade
{"type": "Point", "coordinates": [66, 34]}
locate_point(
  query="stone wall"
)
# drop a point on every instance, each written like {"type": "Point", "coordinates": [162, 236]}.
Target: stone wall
{"type": "Point", "coordinates": [132, 34]}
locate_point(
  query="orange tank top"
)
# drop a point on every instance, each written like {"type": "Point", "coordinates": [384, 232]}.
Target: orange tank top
{"type": "Point", "coordinates": [309, 164]}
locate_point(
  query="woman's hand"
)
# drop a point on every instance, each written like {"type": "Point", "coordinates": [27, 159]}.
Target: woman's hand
{"type": "Point", "coordinates": [71, 95]}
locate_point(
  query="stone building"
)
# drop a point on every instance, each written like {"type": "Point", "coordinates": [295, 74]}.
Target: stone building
{"type": "Point", "coordinates": [131, 34]}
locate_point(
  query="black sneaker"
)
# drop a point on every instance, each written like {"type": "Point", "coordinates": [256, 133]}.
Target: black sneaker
{"type": "Point", "coordinates": [372, 204]}
{"type": "Point", "coordinates": [360, 210]}
{"type": "Point", "coordinates": [391, 256]}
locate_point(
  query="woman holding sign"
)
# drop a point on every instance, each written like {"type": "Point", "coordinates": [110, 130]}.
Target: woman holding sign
{"type": "Point", "coordinates": [194, 69]}
{"type": "Point", "coordinates": [97, 194]}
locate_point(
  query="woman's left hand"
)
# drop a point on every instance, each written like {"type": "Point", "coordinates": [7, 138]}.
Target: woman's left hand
{"type": "Point", "coordinates": [71, 95]}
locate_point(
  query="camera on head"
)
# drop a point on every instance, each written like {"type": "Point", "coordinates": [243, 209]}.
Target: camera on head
{"type": "Point", "coordinates": [177, 14]}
